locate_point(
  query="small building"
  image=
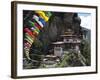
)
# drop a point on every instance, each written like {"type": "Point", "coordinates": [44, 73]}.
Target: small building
{"type": "Point", "coordinates": [50, 61]}
{"type": "Point", "coordinates": [58, 48]}
{"type": "Point", "coordinates": [71, 42]}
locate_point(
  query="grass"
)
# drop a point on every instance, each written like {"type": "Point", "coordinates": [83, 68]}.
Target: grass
{"type": "Point", "coordinates": [63, 63]}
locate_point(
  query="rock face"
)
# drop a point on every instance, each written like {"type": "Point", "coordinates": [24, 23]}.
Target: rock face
{"type": "Point", "coordinates": [57, 25]}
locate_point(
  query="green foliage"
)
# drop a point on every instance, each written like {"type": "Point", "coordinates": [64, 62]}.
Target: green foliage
{"type": "Point", "coordinates": [64, 61]}
{"type": "Point", "coordinates": [85, 51]}
{"type": "Point", "coordinates": [38, 43]}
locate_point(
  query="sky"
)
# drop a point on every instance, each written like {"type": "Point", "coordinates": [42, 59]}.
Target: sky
{"type": "Point", "coordinates": [85, 20]}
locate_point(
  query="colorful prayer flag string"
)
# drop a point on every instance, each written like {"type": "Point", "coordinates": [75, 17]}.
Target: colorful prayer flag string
{"type": "Point", "coordinates": [38, 21]}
